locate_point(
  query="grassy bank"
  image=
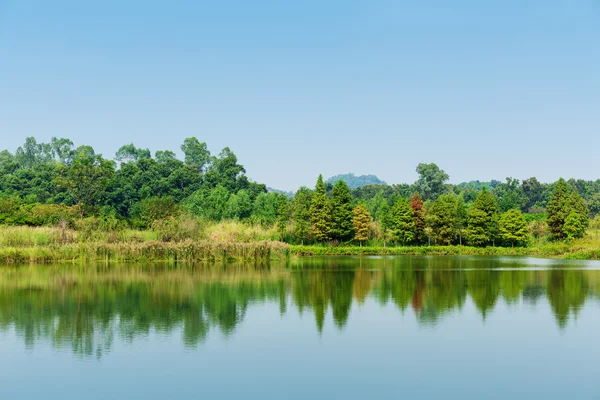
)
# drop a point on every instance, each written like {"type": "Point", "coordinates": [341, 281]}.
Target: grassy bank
{"type": "Point", "coordinates": [219, 242]}
{"type": "Point", "coordinates": [583, 249]}
{"type": "Point", "coordinates": [227, 241]}
{"type": "Point", "coordinates": [154, 251]}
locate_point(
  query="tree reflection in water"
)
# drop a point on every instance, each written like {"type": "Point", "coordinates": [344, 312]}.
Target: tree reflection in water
{"type": "Point", "coordinates": [85, 308]}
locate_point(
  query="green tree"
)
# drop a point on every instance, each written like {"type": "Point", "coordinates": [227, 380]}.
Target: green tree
{"type": "Point", "coordinates": [431, 182]}
{"type": "Point", "coordinates": [563, 202]}
{"type": "Point", "coordinates": [196, 153]}
{"type": "Point", "coordinates": [62, 150]}
{"type": "Point", "coordinates": [284, 216]}
{"type": "Point", "coordinates": [478, 232]}
{"type": "Point", "coordinates": [341, 212]}
{"type": "Point", "coordinates": [320, 212]}
{"type": "Point", "coordinates": [361, 222]}
{"type": "Point", "coordinates": [129, 153]}
{"type": "Point", "coordinates": [441, 218]}
{"type": "Point", "coordinates": [513, 228]}
{"type": "Point", "coordinates": [33, 154]}
{"type": "Point", "coordinates": [266, 206]}
{"type": "Point", "coordinates": [301, 213]}
{"type": "Point", "coordinates": [85, 180]}
{"type": "Point", "coordinates": [385, 221]}
{"type": "Point", "coordinates": [403, 222]}
{"type": "Point", "coordinates": [572, 227]}
{"type": "Point", "coordinates": [416, 204]}
{"type": "Point", "coordinates": [238, 206]}
{"type": "Point", "coordinates": [165, 156]}
{"type": "Point", "coordinates": [482, 219]}
{"type": "Point", "coordinates": [460, 217]}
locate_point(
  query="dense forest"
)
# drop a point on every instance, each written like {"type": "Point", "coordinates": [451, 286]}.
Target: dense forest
{"type": "Point", "coordinates": [57, 183]}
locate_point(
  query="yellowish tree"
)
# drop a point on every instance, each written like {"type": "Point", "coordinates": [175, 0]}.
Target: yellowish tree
{"type": "Point", "coordinates": [361, 222]}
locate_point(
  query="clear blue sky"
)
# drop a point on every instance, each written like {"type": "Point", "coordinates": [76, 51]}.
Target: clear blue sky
{"type": "Point", "coordinates": [486, 89]}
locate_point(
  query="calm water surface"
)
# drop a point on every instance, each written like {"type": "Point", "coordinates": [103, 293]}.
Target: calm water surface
{"type": "Point", "coordinates": [347, 328]}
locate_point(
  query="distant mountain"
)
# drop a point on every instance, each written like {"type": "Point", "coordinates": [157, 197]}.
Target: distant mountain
{"type": "Point", "coordinates": [354, 181]}
{"type": "Point", "coordinates": [289, 195]}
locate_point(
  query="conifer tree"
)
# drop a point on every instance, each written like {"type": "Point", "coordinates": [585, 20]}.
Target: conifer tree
{"type": "Point", "coordinates": [513, 228]}
{"type": "Point", "coordinates": [283, 217]}
{"type": "Point", "coordinates": [576, 204]}
{"type": "Point", "coordinates": [341, 212]}
{"type": "Point", "coordinates": [441, 218]}
{"type": "Point", "coordinates": [385, 221]}
{"type": "Point", "coordinates": [301, 214]}
{"type": "Point", "coordinates": [403, 222]}
{"type": "Point", "coordinates": [482, 219]}
{"type": "Point", "coordinates": [320, 212]}
{"type": "Point", "coordinates": [460, 218]}
{"type": "Point", "coordinates": [557, 209]}
{"type": "Point", "coordinates": [416, 204]}
{"type": "Point", "coordinates": [361, 222]}
{"type": "Point", "coordinates": [572, 227]}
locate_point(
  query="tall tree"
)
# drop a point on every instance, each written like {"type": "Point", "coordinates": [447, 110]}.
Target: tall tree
{"type": "Point", "coordinates": [361, 222]}
{"type": "Point", "coordinates": [513, 228]}
{"type": "Point", "coordinates": [196, 153]}
{"type": "Point", "coordinates": [85, 180]}
{"type": "Point", "coordinates": [62, 149]}
{"type": "Point", "coordinates": [129, 152]}
{"type": "Point", "coordinates": [416, 204]}
{"type": "Point", "coordinates": [460, 218]}
{"type": "Point", "coordinates": [301, 213]}
{"type": "Point", "coordinates": [341, 212]}
{"type": "Point", "coordinates": [403, 222]}
{"type": "Point", "coordinates": [441, 218]}
{"type": "Point", "coordinates": [482, 219]}
{"type": "Point", "coordinates": [320, 212]}
{"type": "Point", "coordinates": [431, 182]}
{"type": "Point", "coordinates": [558, 209]}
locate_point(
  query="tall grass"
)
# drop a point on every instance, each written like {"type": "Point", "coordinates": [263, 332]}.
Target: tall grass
{"type": "Point", "coordinates": [154, 251]}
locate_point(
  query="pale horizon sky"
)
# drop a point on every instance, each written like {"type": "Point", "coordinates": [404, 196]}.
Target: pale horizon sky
{"type": "Point", "coordinates": [485, 90]}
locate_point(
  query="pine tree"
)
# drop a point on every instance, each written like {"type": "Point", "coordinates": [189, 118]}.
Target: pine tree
{"type": "Point", "coordinates": [341, 212]}
{"type": "Point", "coordinates": [320, 212]}
{"type": "Point", "coordinates": [403, 222]}
{"type": "Point", "coordinates": [573, 227]}
{"type": "Point", "coordinates": [301, 214]}
{"type": "Point", "coordinates": [513, 228]}
{"type": "Point", "coordinates": [557, 209]}
{"type": "Point", "coordinates": [460, 218]}
{"type": "Point", "coordinates": [441, 218]}
{"type": "Point", "coordinates": [577, 205]}
{"type": "Point", "coordinates": [385, 221]}
{"type": "Point", "coordinates": [482, 219]}
{"type": "Point", "coordinates": [283, 217]}
{"type": "Point", "coordinates": [416, 204]}
{"type": "Point", "coordinates": [361, 222]}
{"type": "Point", "coordinates": [478, 232]}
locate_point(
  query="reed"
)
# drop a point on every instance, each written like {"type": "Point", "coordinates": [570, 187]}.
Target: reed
{"type": "Point", "coordinates": [186, 251]}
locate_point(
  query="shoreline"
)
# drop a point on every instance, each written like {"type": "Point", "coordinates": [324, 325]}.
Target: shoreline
{"type": "Point", "coordinates": [190, 251]}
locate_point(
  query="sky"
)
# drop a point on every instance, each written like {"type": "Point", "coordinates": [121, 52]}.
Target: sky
{"type": "Point", "coordinates": [485, 89]}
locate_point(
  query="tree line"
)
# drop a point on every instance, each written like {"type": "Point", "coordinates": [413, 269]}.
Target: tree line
{"type": "Point", "coordinates": [50, 183]}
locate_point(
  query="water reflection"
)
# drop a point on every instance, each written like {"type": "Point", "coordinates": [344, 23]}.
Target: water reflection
{"type": "Point", "coordinates": [84, 309]}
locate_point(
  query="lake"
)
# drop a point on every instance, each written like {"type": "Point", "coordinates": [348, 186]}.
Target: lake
{"type": "Point", "coordinates": [316, 328]}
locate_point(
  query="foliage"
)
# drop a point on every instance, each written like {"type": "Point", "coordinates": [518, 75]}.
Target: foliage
{"type": "Point", "coordinates": [441, 218]}
{"type": "Point", "coordinates": [341, 212]}
{"type": "Point", "coordinates": [320, 212]}
{"type": "Point", "coordinates": [513, 228]}
{"type": "Point", "coordinates": [361, 222]}
{"type": "Point", "coordinates": [431, 182]}
{"type": "Point", "coordinates": [416, 204]}
{"type": "Point", "coordinates": [403, 223]}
